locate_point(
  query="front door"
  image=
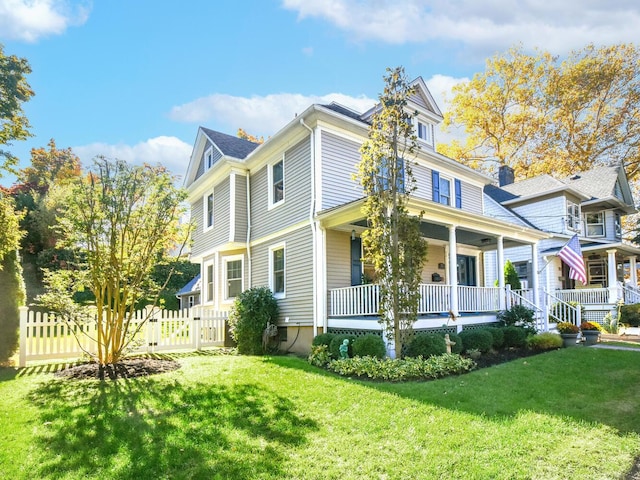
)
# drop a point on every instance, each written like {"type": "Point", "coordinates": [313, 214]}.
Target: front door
{"type": "Point", "coordinates": [356, 262]}
{"type": "Point", "coordinates": [467, 270]}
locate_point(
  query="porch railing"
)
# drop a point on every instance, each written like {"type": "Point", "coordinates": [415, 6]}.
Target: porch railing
{"type": "Point", "coordinates": [560, 310]}
{"type": "Point", "coordinates": [363, 300]}
{"type": "Point", "coordinates": [630, 294]}
{"type": "Point", "coordinates": [479, 299]}
{"type": "Point", "coordinates": [584, 296]}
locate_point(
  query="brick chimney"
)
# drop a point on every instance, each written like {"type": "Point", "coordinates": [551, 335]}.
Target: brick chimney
{"type": "Point", "coordinates": [505, 175]}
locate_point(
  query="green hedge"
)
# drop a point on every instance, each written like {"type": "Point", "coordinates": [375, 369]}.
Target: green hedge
{"type": "Point", "coordinates": [426, 345]}
{"type": "Point", "coordinates": [369, 345]}
{"type": "Point", "coordinates": [630, 315]}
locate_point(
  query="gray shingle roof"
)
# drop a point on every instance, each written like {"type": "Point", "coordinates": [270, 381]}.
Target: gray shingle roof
{"type": "Point", "coordinates": [599, 182]}
{"type": "Point", "coordinates": [336, 107]}
{"type": "Point", "coordinates": [230, 145]}
{"type": "Point", "coordinates": [539, 184]}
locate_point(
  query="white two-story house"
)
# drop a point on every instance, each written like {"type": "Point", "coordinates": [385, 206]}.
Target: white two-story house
{"type": "Point", "coordinates": [590, 204]}
{"type": "Point", "coordinates": [287, 214]}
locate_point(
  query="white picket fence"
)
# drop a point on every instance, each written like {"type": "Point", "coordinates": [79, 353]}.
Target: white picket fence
{"type": "Point", "coordinates": [45, 336]}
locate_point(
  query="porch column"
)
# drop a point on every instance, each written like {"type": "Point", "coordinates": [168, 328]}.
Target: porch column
{"type": "Point", "coordinates": [535, 284]}
{"type": "Point", "coordinates": [501, 270]}
{"type": "Point", "coordinates": [453, 270]}
{"type": "Point", "coordinates": [633, 273]}
{"type": "Point", "coordinates": [612, 278]}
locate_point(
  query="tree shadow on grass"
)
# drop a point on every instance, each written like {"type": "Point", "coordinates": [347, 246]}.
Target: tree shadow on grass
{"type": "Point", "coordinates": [147, 429]}
{"type": "Point", "coordinates": [585, 384]}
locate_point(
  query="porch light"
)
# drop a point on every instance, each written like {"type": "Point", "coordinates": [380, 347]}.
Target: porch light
{"type": "Point", "coordinates": [353, 234]}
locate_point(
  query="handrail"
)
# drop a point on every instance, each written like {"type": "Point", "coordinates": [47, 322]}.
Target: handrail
{"type": "Point", "coordinates": [561, 311]}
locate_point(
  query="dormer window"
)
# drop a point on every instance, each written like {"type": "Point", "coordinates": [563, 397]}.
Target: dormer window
{"type": "Point", "coordinates": [208, 158]}
{"type": "Point", "coordinates": [425, 133]}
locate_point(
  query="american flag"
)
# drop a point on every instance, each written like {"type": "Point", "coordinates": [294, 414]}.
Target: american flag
{"type": "Point", "coordinates": [571, 254]}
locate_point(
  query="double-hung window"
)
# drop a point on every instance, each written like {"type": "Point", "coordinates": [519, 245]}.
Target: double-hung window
{"type": "Point", "coordinates": [594, 224]}
{"type": "Point", "coordinates": [446, 191]}
{"type": "Point", "coordinates": [276, 183]}
{"type": "Point", "coordinates": [209, 272]}
{"type": "Point", "coordinates": [233, 277]}
{"type": "Point", "coordinates": [385, 176]}
{"type": "Point", "coordinates": [207, 207]}
{"type": "Point", "coordinates": [277, 280]}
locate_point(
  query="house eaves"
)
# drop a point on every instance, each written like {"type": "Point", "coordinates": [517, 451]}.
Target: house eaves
{"type": "Point", "coordinates": [536, 195]}
{"type": "Point", "coordinates": [610, 202]}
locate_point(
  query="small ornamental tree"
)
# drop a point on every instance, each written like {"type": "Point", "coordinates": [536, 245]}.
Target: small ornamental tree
{"type": "Point", "coordinates": [120, 218]}
{"type": "Point", "coordinates": [511, 276]}
{"type": "Point", "coordinates": [392, 241]}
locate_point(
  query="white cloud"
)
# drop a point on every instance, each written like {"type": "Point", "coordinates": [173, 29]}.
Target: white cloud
{"type": "Point", "coordinates": [483, 26]}
{"type": "Point", "coordinates": [28, 20]}
{"type": "Point", "coordinates": [170, 152]}
{"type": "Point", "coordinates": [258, 115]}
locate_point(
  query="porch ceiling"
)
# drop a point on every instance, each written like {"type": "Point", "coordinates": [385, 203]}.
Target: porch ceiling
{"type": "Point", "coordinates": [435, 231]}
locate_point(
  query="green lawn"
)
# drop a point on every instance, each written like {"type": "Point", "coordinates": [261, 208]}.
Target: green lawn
{"type": "Point", "coordinates": [571, 413]}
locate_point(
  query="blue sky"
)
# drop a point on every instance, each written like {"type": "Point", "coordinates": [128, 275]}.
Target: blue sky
{"type": "Point", "coordinates": [133, 79]}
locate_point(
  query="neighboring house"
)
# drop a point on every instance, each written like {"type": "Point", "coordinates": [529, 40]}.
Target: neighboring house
{"type": "Point", "coordinates": [590, 204]}
{"type": "Point", "coordinates": [287, 214]}
{"type": "Point", "coordinates": [189, 295]}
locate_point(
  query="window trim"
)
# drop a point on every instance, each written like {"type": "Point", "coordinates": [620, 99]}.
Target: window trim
{"type": "Point", "coordinates": [617, 225]}
{"type": "Point", "coordinates": [208, 293]}
{"type": "Point", "coordinates": [225, 262]}
{"type": "Point", "coordinates": [455, 196]}
{"type": "Point", "coordinates": [272, 281]}
{"type": "Point", "coordinates": [573, 221]}
{"type": "Point", "coordinates": [602, 223]}
{"type": "Point", "coordinates": [270, 184]}
{"type": "Point", "coordinates": [205, 211]}
{"type": "Point", "coordinates": [428, 129]}
{"type": "Point", "coordinates": [208, 158]}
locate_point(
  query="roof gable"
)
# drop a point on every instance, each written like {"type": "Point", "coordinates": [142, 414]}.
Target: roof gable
{"type": "Point", "coordinates": [228, 146]}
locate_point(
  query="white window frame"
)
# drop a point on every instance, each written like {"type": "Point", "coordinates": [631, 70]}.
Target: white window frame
{"type": "Point", "coordinates": [225, 262]}
{"type": "Point", "coordinates": [452, 195]}
{"type": "Point", "coordinates": [205, 210]}
{"type": "Point", "coordinates": [190, 301]}
{"type": "Point", "coordinates": [208, 158]}
{"type": "Point", "coordinates": [427, 128]}
{"type": "Point", "coordinates": [208, 292]}
{"type": "Point", "coordinates": [272, 281]}
{"type": "Point", "coordinates": [271, 202]}
{"type": "Point", "coordinates": [573, 218]}
{"type": "Point", "coordinates": [601, 223]}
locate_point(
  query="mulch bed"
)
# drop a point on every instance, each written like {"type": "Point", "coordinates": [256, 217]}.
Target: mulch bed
{"type": "Point", "coordinates": [127, 368]}
{"type": "Point", "coordinates": [494, 358]}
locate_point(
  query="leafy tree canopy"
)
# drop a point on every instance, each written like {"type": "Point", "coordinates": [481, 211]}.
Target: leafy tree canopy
{"type": "Point", "coordinates": [539, 114]}
{"type": "Point", "coordinates": [14, 91]}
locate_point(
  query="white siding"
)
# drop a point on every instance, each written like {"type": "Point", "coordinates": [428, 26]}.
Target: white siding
{"type": "Point", "coordinates": [547, 214]}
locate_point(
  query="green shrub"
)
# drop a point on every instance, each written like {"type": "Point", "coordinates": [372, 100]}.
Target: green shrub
{"type": "Point", "coordinates": [252, 311]}
{"type": "Point", "coordinates": [426, 345]}
{"type": "Point", "coordinates": [630, 315]}
{"type": "Point", "coordinates": [323, 339]}
{"type": "Point", "coordinates": [398, 370]}
{"type": "Point", "coordinates": [334, 347]}
{"type": "Point", "coordinates": [544, 341]}
{"type": "Point", "coordinates": [480, 339]}
{"type": "Point", "coordinates": [498, 337]}
{"type": "Point", "coordinates": [454, 337]}
{"type": "Point", "coordinates": [519, 316]}
{"type": "Point", "coordinates": [515, 337]}
{"type": "Point", "coordinates": [320, 356]}
{"type": "Point", "coordinates": [13, 291]}
{"type": "Point", "coordinates": [369, 345]}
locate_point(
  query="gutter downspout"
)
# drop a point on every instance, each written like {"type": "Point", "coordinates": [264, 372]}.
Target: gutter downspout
{"type": "Point", "coordinates": [312, 224]}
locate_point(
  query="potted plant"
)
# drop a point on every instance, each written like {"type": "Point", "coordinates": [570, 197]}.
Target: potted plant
{"type": "Point", "coordinates": [569, 333]}
{"type": "Point", "coordinates": [590, 332]}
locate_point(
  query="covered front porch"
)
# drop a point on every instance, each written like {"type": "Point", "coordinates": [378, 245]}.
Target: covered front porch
{"type": "Point", "coordinates": [453, 289]}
